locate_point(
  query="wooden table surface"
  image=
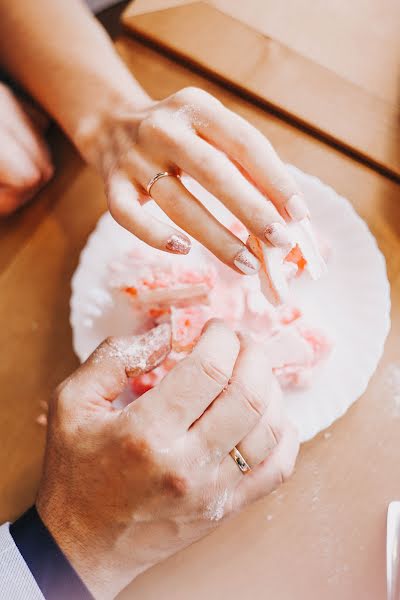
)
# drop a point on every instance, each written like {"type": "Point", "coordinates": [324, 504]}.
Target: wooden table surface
{"type": "Point", "coordinates": [321, 536]}
{"type": "Point", "coordinates": [278, 78]}
{"type": "Point", "coordinates": [358, 40]}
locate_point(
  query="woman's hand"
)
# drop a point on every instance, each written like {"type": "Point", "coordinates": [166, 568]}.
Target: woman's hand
{"type": "Point", "coordinates": [130, 138]}
{"type": "Point", "coordinates": [192, 132]}
{"type": "Point", "coordinates": [25, 163]}
{"type": "Point", "coordinates": [124, 489]}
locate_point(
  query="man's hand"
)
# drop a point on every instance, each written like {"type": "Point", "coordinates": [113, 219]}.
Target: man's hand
{"type": "Point", "coordinates": [25, 163]}
{"type": "Point", "coordinates": [124, 489]}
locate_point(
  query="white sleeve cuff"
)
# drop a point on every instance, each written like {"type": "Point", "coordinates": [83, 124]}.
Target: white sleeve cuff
{"type": "Point", "coordinates": [16, 580]}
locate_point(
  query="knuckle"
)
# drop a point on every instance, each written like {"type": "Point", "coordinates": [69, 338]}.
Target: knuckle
{"type": "Point", "coordinates": [31, 179]}
{"type": "Point", "coordinates": [207, 162]}
{"type": "Point", "coordinates": [9, 202]}
{"type": "Point", "coordinates": [176, 484]}
{"type": "Point", "coordinates": [242, 131]}
{"type": "Point", "coordinates": [62, 394]}
{"type": "Point", "coordinates": [286, 471]}
{"type": "Point", "coordinates": [289, 460]}
{"type": "Point", "coordinates": [196, 97]}
{"type": "Point", "coordinates": [249, 398]}
{"type": "Point", "coordinates": [113, 203]}
{"type": "Point", "coordinates": [213, 371]}
{"type": "Point", "coordinates": [62, 402]}
{"type": "Point", "coordinates": [137, 448]}
{"type": "Point", "coordinates": [177, 410]}
{"type": "Point", "coordinates": [272, 432]}
{"type": "Point", "coordinates": [216, 167]}
{"type": "Point", "coordinates": [48, 172]}
{"type": "Point", "coordinates": [192, 95]}
{"type": "Point", "coordinates": [156, 123]}
{"type": "Point", "coordinates": [114, 193]}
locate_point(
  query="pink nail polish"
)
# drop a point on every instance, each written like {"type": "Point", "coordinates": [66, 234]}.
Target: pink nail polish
{"type": "Point", "coordinates": [278, 235]}
{"type": "Point", "coordinates": [246, 262]}
{"type": "Point", "coordinates": [297, 208]}
{"type": "Point", "coordinates": [178, 244]}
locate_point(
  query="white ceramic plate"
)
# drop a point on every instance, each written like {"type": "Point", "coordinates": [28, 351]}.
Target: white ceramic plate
{"type": "Point", "coordinates": [352, 304]}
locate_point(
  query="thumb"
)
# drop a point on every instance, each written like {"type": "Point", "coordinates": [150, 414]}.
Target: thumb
{"type": "Point", "coordinates": [105, 373]}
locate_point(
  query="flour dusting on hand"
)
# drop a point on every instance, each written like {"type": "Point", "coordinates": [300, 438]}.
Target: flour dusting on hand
{"type": "Point", "coordinates": [215, 509]}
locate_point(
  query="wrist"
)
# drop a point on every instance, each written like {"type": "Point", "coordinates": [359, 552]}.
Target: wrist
{"type": "Point", "coordinates": [76, 547]}
{"type": "Point", "coordinates": [52, 571]}
{"type": "Point", "coordinates": [97, 129]}
{"type": "Point", "coordinates": [90, 549]}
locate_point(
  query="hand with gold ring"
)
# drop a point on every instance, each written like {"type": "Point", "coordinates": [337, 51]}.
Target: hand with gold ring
{"type": "Point", "coordinates": [124, 489]}
{"type": "Point", "coordinates": [141, 154]}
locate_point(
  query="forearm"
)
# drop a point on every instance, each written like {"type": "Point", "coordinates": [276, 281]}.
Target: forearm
{"type": "Point", "coordinates": [73, 69]}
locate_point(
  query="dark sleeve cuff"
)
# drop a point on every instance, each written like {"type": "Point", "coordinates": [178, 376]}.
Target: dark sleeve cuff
{"type": "Point", "coordinates": [53, 573]}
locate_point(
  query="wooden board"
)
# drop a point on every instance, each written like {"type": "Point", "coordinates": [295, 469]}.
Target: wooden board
{"type": "Point", "coordinates": [322, 536]}
{"type": "Point", "coordinates": [358, 40]}
{"type": "Point", "coordinates": [278, 78]}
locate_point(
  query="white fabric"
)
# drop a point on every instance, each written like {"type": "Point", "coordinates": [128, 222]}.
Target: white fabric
{"type": "Point", "coordinates": [16, 580]}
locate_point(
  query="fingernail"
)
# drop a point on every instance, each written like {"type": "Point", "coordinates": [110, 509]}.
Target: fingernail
{"type": "Point", "coordinates": [178, 244]}
{"type": "Point", "coordinates": [278, 235]}
{"type": "Point", "coordinates": [246, 262]}
{"type": "Point", "coordinates": [297, 208]}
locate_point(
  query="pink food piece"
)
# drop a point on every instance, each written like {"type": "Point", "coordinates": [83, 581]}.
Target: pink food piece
{"type": "Point", "coordinates": [288, 314]}
{"type": "Point", "coordinates": [187, 324]}
{"type": "Point", "coordinates": [162, 290]}
{"type": "Point", "coordinates": [179, 295]}
{"type": "Point", "coordinates": [279, 265]}
{"type": "Point", "coordinates": [162, 283]}
{"type": "Point", "coordinates": [144, 383]}
{"type": "Point", "coordinates": [289, 347]}
{"type": "Point", "coordinates": [295, 351]}
{"type": "Point", "coordinates": [274, 284]}
{"type": "Point", "coordinates": [294, 376]}
{"type": "Point", "coordinates": [319, 342]}
{"type": "Point", "coordinates": [302, 234]}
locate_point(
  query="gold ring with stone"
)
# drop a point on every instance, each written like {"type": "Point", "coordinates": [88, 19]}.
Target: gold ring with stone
{"type": "Point", "coordinates": [240, 460]}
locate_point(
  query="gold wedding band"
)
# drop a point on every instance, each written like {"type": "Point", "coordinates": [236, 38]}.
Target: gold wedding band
{"type": "Point", "coordinates": [240, 460]}
{"type": "Point", "coordinates": [154, 179]}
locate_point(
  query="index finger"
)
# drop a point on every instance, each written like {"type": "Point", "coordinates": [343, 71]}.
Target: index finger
{"type": "Point", "coordinates": [104, 375]}
{"type": "Point", "coordinates": [186, 391]}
